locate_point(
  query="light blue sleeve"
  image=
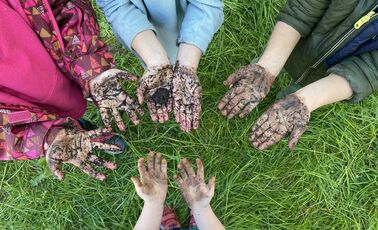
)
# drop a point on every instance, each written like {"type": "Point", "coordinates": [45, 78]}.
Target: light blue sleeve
{"type": "Point", "coordinates": [126, 18]}
{"type": "Point", "coordinates": [202, 20]}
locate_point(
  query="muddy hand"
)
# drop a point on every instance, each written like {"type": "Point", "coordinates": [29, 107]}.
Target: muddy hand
{"type": "Point", "coordinates": [249, 86]}
{"type": "Point", "coordinates": [153, 183]}
{"type": "Point", "coordinates": [75, 147]}
{"type": "Point", "coordinates": [286, 116]}
{"type": "Point", "coordinates": [156, 84]}
{"type": "Point", "coordinates": [187, 98]}
{"type": "Point", "coordinates": [109, 96]}
{"type": "Point", "coordinates": [195, 191]}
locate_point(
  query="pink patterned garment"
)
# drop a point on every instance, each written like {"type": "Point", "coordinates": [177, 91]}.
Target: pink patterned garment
{"type": "Point", "coordinates": [37, 94]}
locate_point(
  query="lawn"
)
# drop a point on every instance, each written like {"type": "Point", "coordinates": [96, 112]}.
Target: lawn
{"type": "Point", "coordinates": [330, 181]}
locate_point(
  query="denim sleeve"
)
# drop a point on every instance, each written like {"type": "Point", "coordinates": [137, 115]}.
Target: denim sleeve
{"type": "Point", "coordinates": [202, 20]}
{"type": "Point", "coordinates": [126, 19]}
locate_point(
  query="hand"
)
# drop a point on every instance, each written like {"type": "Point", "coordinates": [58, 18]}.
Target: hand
{"type": "Point", "coordinates": [187, 97]}
{"type": "Point", "coordinates": [288, 115]}
{"type": "Point", "coordinates": [75, 147]}
{"type": "Point", "coordinates": [109, 96]}
{"type": "Point", "coordinates": [249, 86]}
{"type": "Point", "coordinates": [153, 183]}
{"type": "Point", "coordinates": [196, 193]}
{"type": "Point", "coordinates": [156, 82]}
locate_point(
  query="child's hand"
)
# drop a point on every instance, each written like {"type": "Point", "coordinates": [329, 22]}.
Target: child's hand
{"type": "Point", "coordinates": [287, 116]}
{"type": "Point", "coordinates": [249, 86]}
{"type": "Point", "coordinates": [110, 98]}
{"type": "Point", "coordinates": [156, 86]}
{"type": "Point", "coordinates": [196, 193]}
{"type": "Point", "coordinates": [153, 183]}
{"type": "Point", "coordinates": [75, 147]}
{"type": "Point", "coordinates": [187, 97]}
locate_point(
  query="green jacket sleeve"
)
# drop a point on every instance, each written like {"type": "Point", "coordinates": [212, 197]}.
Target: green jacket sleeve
{"type": "Point", "coordinates": [361, 72]}
{"type": "Point", "coordinates": [303, 16]}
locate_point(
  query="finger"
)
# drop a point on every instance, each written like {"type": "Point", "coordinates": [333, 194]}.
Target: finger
{"type": "Point", "coordinates": [176, 110]}
{"type": "Point", "coordinates": [257, 129]}
{"type": "Point", "coordinates": [247, 109]}
{"type": "Point", "coordinates": [237, 108]}
{"type": "Point", "coordinates": [131, 113]}
{"type": "Point", "coordinates": [188, 168]}
{"type": "Point", "coordinates": [127, 76]}
{"type": "Point", "coordinates": [189, 118]}
{"type": "Point", "coordinates": [233, 99]}
{"type": "Point", "coordinates": [141, 167]}
{"type": "Point", "coordinates": [160, 113]}
{"type": "Point", "coordinates": [200, 170]}
{"type": "Point", "coordinates": [118, 119]}
{"type": "Point", "coordinates": [100, 162]}
{"type": "Point", "coordinates": [224, 100]}
{"type": "Point", "coordinates": [295, 135]}
{"type": "Point", "coordinates": [183, 118]}
{"type": "Point", "coordinates": [131, 104]}
{"type": "Point", "coordinates": [157, 166]}
{"type": "Point", "coordinates": [211, 184]}
{"type": "Point", "coordinates": [184, 175]}
{"type": "Point", "coordinates": [178, 180]}
{"type": "Point", "coordinates": [98, 132]}
{"type": "Point", "coordinates": [151, 161]}
{"type": "Point", "coordinates": [141, 91]}
{"type": "Point", "coordinates": [54, 167]}
{"type": "Point", "coordinates": [165, 113]}
{"type": "Point", "coordinates": [136, 182]}
{"type": "Point", "coordinates": [196, 113]}
{"type": "Point", "coordinates": [164, 166]}
{"type": "Point", "coordinates": [87, 169]}
{"type": "Point", "coordinates": [153, 110]}
{"type": "Point", "coordinates": [105, 116]}
{"type": "Point", "coordinates": [106, 147]}
{"type": "Point", "coordinates": [269, 141]}
{"type": "Point", "coordinates": [170, 105]}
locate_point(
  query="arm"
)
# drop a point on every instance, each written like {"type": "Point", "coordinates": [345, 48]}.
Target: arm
{"type": "Point", "coordinates": [202, 19]}
{"type": "Point", "coordinates": [198, 194]}
{"type": "Point", "coordinates": [152, 188]}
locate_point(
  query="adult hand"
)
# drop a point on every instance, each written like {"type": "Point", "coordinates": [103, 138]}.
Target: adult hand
{"type": "Point", "coordinates": [187, 97]}
{"type": "Point", "coordinates": [153, 183]}
{"type": "Point", "coordinates": [195, 191]}
{"type": "Point", "coordinates": [109, 96]}
{"type": "Point", "coordinates": [249, 86]}
{"type": "Point", "coordinates": [288, 115]}
{"type": "Point", "coordinates": [156, 83]}
{"type": "Point", "coordinates": [75, 147]}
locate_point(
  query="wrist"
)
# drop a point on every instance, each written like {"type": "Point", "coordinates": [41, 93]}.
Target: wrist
{"type": "Point", "coordinates": [307, 97]}
{"type": "Point", "coordinates": [157, 60]}
{"type": "Point", "coordinates": [200, 209]}
{"type": "Point", "coordinates": [155, 204]}
{"type": "Point", "coordinates": [272, 68]}
{"type": "Point", "coordinates": [189, 56]}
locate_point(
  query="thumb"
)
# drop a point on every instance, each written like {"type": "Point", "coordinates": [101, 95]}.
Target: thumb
{"type": "Point", "coordinates": [295, 135]}
{"type": "Point", "coordinates": [211, 185]}
{"type": "Point", "coordinates": [232, 79]}
{"type": "Point", "coordinates": [136, 182]}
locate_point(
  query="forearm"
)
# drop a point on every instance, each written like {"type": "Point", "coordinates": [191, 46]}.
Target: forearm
{"type": "Point", "coordinates": [206, 219]}
{"type": "Point", "coordinates": [325, 91]}
{"type": "Point", "coordinates": [150, 218]}
{"type": "Point", "coordinates": [282, 42]}
{"type": "Point", "coordinates": [189, 55]}
{"type": "Point", "coordinates": [149, 49]}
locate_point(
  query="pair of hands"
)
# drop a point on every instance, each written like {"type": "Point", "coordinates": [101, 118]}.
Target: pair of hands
{"type": "Point", "coordinates": [248, 87]}
{"type": "Point", "coordinates": [153, 183]}
{"type": "Point", "coordinates": [166, 89]}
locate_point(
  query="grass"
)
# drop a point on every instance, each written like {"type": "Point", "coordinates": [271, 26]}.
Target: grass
{"type": "Point", "coordinates": [329, 182]}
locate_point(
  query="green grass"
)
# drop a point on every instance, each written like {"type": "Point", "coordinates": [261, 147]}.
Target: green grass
{"type": "Point", "coordinates": [329, 182]}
